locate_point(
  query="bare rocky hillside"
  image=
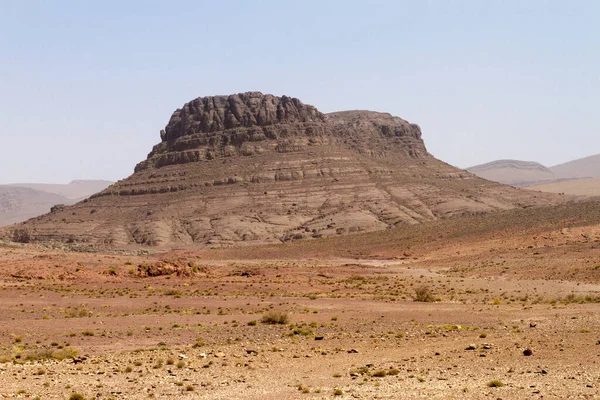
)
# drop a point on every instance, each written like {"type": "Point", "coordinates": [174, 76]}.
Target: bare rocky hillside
{"type": "Point", "coordinates": [254, 168]}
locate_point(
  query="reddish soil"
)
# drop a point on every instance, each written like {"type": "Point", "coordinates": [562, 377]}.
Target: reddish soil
{"type": "Point", "coordinates": [500, 285]}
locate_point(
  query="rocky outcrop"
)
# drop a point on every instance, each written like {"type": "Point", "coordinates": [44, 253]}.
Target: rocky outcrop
{"type": "Point", "coordinates": [248, 124]}
{"type": "Point", "coordinates": [244, 110]}
{"type": "Point", "coordinates": [378, 134]}
{"type": "Point", "coordinates": [224, 126]}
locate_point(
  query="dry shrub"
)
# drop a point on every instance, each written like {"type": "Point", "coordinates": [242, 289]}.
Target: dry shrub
{"type": "Point", "coordinates": [423, 294]}
{"type": "Point", "coordinates": [21, 236]}
{"type": "Point", "coordinates": [165, 268]}
{"type": "Point", "coordinates": [275, 318]}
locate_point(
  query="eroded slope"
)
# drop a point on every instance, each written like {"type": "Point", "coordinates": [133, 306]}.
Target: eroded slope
{"type": "Point", "coordinates": [257, 168]}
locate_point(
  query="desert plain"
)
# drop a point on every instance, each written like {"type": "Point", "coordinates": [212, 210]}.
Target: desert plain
{"type": "Point", "coordinates": [501, 306]}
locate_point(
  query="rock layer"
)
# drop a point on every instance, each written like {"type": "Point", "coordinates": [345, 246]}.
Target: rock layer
{"type": "Point", "coordinates": [254, 168]}
{"type": "Point", "coordinates": [252, 123]}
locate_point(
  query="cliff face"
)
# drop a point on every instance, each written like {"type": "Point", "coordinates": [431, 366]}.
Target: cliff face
{"type": "Point", "coordinates": [254, 168]}
{"type": "Point", "coordinates": [378, 134]}
{"type": "Point", "coordinates": [240, 124]}
{"type": "Point", "coordinates": [251, 123]}
{"type": "Point", "coordinates": [244, 110]}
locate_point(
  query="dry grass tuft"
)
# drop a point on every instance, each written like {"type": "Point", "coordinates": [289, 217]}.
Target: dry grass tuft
{"type": "Point", "coordinates": [275, 318]}
{"type": "Point", "coordinates": [423, 294]}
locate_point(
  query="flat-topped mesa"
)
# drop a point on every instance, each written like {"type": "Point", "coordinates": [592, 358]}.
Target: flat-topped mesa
{"type": "Point", "coordinates": [255, 169]}
{"type": "Point", "coordinates": [253, 123]}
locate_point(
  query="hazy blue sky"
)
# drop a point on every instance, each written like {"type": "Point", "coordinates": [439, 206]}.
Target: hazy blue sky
{"type": "Point", "coordinates": [85, 87]}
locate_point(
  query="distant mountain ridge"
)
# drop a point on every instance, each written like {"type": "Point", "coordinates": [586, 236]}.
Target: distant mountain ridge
{"type": "Point", "coordinates": [531, 173]}
{"type": "Point", "coordinates": [513, 172]}
{"type": "Point", "coordinates": [21, 201]}
{"type": "Point", "coordinates": [76, 190]}
{"type": "Point", "coordinates": [587, 167]}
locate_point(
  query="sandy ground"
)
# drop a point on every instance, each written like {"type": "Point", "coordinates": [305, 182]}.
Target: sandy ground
{"type": "Point", "coordinates": [94, 324]}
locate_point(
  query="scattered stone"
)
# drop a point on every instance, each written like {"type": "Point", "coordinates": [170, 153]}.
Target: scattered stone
{"type": "Point", "coordinates": [319, 337]}
{"type": "Point", "coordinates": [527, 352]}
{"type": "Point", "coordinates": [471, 347]}
{"type": "Point", "coordinates": [352, 351]}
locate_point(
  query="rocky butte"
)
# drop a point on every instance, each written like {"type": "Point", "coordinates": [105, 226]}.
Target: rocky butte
{"type": "Point", "coordinates": [256, 168]}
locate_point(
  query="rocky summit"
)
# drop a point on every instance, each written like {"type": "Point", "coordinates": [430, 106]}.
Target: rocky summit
{"type": "Point", "coordinates": [255, 168]}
